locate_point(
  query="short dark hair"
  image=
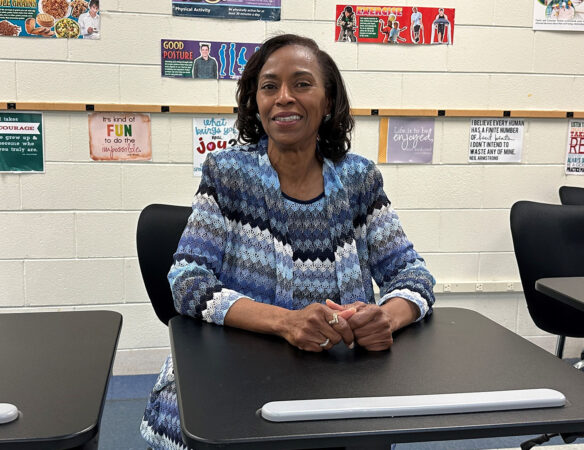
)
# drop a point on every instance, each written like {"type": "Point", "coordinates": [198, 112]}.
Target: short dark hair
{"type": "Point", "coordinates": [333, 134]}
{"type": "Point", "coordinates": [94, 2]}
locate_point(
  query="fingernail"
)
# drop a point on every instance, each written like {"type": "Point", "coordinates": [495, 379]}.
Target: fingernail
{"type": "Point", "coordinates": [352, 345]}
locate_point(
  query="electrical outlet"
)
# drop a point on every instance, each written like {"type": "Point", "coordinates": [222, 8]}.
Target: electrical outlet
{"type": "Point", "coordinates": [447, 287]}
{"type": "Point", "coordinates": [479, 287]}
{"type": "Point", "coordinates": [510, 287]}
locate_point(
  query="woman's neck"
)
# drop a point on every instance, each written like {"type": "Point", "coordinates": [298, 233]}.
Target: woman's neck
{"type": "Point", "coordinates": [299, 172]}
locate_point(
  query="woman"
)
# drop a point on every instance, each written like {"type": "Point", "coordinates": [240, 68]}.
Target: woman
{"type": "Point", "coordinates": [288, 230]}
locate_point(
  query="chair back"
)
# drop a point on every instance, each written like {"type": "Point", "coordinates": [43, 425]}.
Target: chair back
{"type": "Point", "coordinates": [571, 195]}
{"type": "Point", "coordinates": [159, 230]}
{"type": "Point", "coordinates": [549, 242]}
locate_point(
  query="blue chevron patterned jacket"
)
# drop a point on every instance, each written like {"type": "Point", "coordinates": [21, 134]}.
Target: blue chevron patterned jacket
{"type": "Point", "coordinates": [236, 241]}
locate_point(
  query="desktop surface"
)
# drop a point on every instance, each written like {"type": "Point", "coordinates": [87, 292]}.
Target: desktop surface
{"type": "Point", "coordinates": [225, 375]}
{"type": "Point", "coordinates": [55, 369]}
{"type": "Point", "coordinates": [569, 290]}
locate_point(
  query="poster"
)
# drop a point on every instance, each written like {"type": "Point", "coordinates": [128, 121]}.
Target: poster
{"type": "Point", "coordinates": [575, 153]}
{"type": "Point", "coordinates": [21, 142]}
{"type": "Point", "coordinates": [68, 19]}
{"type": "Point", "coordinates": [228, 9]}
{"type": "Point", "coordinates": [204, 59]}
{"type": "Point", "coordinates": [210, 134]}
{"type": "Point", "coordinates": [394, 24]}
{"type": "Point", "coordinates": [558, 15]}
{"type": "Point", "coordinates": [404, 140]}
{"type": "Point", "coordinates": [120, 137]}
{"type": "Point", "coordinates": [496, 140]}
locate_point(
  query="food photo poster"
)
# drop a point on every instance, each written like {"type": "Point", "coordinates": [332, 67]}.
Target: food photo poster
{"type": "Point", "coordinates": [77, 19]}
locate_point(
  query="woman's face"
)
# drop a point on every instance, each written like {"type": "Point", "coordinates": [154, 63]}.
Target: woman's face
{"type": "Point", "coordinates": [291, 98]}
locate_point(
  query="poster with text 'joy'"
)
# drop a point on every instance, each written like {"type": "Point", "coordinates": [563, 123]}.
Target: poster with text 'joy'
{"type": "Point", "coordinates": [406, 140]}
{"type": "Point", "coordinates": [68, 19]}
{"type": "Point", "coordinates": [228, 9]}
{"type": "Point", "coordinates": [394, 24]}
{"type": "Point", "coordinates": [204, 59]}
{"type": "Point", "coordinates": [211, 134]}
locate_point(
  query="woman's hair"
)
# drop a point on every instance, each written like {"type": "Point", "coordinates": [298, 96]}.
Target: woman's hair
{"type": "Point", "coordinates": [333, 134]}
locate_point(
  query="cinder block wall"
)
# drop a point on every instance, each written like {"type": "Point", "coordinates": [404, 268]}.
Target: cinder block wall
{"type": "Point", "coordinates": [68, 235]}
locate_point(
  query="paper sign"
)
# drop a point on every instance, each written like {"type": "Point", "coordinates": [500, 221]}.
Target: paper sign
{"type": "Point", "coordinates": [394, 24]}
{"type": "Point", "coordinates": [228, 9]}
{"type": "Point", "coordinates": [21, 142]}
{"type": "Point", "coordinates": [558, 15]}
{"type": "Point", "coordinates": [120, 137]}
{"type": "Point", "coordinates": [210, 134]}
{"type": "Point", "coordinates": [406, 140]}
{"type": "Point", "coordinates": [575, 153]}
{"type": "Point", "coordinates": [496, 140]}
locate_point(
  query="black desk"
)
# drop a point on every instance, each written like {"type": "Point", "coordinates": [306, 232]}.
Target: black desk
{"type": "Point", "coordinates": [55, 368]}
{"type": "Point", "coordinates": [225, 375]}
{"type": "Point", "coordinates": [569, 290]}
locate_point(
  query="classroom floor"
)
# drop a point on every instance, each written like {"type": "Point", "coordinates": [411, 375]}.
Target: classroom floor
{"type": "Point", "coordinates": [127, 396]}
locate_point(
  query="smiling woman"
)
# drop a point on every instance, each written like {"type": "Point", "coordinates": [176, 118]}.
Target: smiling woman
{"type": "Point", "coordinates": [289, 229]}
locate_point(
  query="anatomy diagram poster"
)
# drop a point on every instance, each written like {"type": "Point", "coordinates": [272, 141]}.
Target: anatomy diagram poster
{"type": "Point", "coordinates": [204, 59]}
{"type": "Point", "coordinates": [210, 134]}
{"type": "Point", "coordinates": [228, 9]}
{"type": "Point", "coordinates": [394, 24]}
{"type": "Point", "coordinates": [558, 15]}
{"type": "Point", "coordinates": [575, 154]}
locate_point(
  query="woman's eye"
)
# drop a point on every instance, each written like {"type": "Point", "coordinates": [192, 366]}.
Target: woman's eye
{"type": "Point", "coordinates": [303, 84]}
{"type": "Point", "coordinates": [268, 86]}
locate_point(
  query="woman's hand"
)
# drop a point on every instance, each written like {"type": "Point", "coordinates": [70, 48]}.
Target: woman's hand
{"type": "Point", "coordinates": [373, 326]}
{"type": "Point", "coordinates": [315, 324]}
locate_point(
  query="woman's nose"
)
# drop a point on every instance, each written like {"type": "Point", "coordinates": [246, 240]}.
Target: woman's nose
{"type": "Point", "coordinates": [284, 95]}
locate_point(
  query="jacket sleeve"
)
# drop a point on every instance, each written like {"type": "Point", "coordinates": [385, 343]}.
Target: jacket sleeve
{"type": "Point", "coordinates": [396, 267]}
{"type": "Point", "coordinates": [194, 274]}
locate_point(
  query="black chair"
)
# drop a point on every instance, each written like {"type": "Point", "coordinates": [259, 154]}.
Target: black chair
{"type": "Point", "coordinates": [571, 195]}
{"type": "Point", "coordinates": [549, 242]}
{"type": "Point", "coordinates": [159, 230]}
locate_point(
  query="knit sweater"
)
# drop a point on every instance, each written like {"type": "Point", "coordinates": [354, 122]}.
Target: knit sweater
{"type": "Point", "coordinates": [244, 239]}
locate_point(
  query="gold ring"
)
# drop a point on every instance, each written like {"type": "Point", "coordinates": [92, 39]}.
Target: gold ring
{"type": "Point", "coordinates": [334, 320]}
{"type": "Point", "coordinates": [325, 343]}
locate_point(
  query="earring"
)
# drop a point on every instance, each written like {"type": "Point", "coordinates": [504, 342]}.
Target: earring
{"type": "Point", "coordinates": [326, 118]}
{"type": "Point", "coordinates": [258, 117]}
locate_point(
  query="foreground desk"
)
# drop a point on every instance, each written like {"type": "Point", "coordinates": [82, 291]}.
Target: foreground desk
{"type": "Point", "coordinates": [225, 375]}
{"type": "Point", "coordinates": [55, 367]}
{"type": "Point", "coordinates": [569, 290]}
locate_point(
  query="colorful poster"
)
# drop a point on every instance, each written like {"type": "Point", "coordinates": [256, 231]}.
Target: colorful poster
{"type": "Point", "coordinates": [75, 19]}
{"type": "Point", "coordinates": [405, 140]}
{"type": "Point", "coordinates": [204, 59]}
{"type": "Point", "coordinates": [559, 15]}
{"type": "Point", "coordinates": [210, 134]}
{"type": "Point", "coordinates": [228, 9]}
{"type": "Point", "coordinates": [21, 142]}
{"type": "Point", "coordinates": [575, 153]}
{"type": "Point", "coordinates": [496, 140]}
{"type": "Point", "coordinates": [120, 137]}
{"type": "Point", "coordinates": [394, 24]}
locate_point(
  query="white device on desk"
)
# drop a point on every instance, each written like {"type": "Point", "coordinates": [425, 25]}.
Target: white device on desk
{"type": "Point", "coordinates": [410, 405]}
{"type": "Point", "coordinates": [8, 412]}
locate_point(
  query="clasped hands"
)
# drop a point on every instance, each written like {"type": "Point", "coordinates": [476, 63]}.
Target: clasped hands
{"type": "Point", "coordinates": [320, 327]}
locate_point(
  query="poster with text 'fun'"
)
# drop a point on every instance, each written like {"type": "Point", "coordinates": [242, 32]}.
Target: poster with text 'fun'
{"type": "Point", "coordinates": [204, 59]}
{"type": "Point", "coordinates": [120, 137]}
{"type": "Point", "coordinates": [496, 140]}
{"type": "Point", "coordinates": [575, 153]}
{"type": "Point", "coordinates": [69, 19]}
{"type": "Point", "coordinates": [228, 9]}
{"type": "Point", "coordinates": [210, 134]}
{"type": "Point", "coordinates": [406, 140]}
{"type": "Point", "coordinates": [394, 24]}
{"type": "Point", "coordinates": [558, 15]}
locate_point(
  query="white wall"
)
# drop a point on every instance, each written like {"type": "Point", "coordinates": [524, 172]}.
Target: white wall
{"type": "Point", "coordinates": [68, 235]}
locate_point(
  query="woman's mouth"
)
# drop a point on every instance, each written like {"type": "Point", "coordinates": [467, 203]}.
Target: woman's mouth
{"type": "Point", "coordinates": [290, 118]}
